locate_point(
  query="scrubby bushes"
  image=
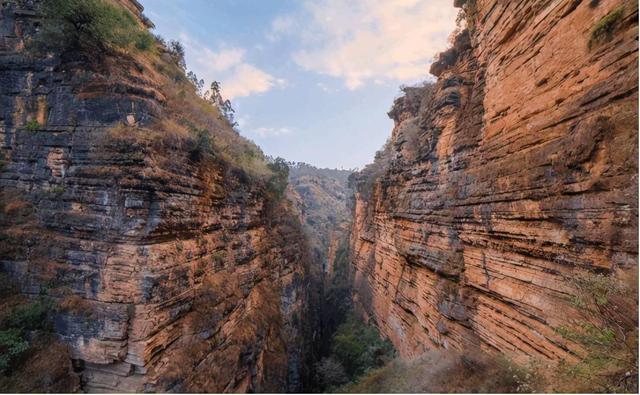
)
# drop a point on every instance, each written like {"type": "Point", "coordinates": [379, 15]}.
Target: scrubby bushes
{"type": "Point", "coordinates": [355, 349]}
{"type": "Point", "coordinates": [12, 345]}
{"type": "Point", "coordinates": [14, 329]}
{"type": "Point", "coordinates": [278, 182]}
{"type": "Point", "coordinates": [607, 332]}
{"type": "Point", "coordinates": [32, 359]}
{"type": "Point", "coordinates": [604, 29]}
{"type": "Point", "coordinates": [445, 371]}
{"type": "Point", "coordinates": [32, 126]}
{"type": "Point", "coordinates": [90, 24]}
{"type": "Point", "coordinates": [365, 180]}
{"type": "Point", "coordinates": [201, 146]}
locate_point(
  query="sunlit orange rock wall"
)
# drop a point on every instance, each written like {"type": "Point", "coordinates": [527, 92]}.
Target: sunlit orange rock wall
{"type": "Point", "coordinates": [517, 171]}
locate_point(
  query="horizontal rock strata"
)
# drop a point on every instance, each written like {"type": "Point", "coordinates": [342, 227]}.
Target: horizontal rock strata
{"type": "Point", "coordinates": [515, 172]}
{"type": "Point", "coordinates": [172, 276]}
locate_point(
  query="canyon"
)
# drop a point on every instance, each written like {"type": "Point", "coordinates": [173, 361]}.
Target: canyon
{"type": "Point", "coordinates": [167, 253]}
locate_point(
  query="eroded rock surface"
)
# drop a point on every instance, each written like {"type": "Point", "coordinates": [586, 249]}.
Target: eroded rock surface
{"type": "Point", "coordinates": [172, 276]}
{"type": "Point", "coordinates": [514, 172]}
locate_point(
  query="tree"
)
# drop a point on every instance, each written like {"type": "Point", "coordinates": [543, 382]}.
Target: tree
{"type": "Point", "coordinates": [330, 373]}
{"type": "Point", "coordinates": [228, 113]}
{"type": "Point", "coordinates": [280, 179]}
{"type": "Point", "coordinates": [176, 50]}
{"type": "Point", "coordinates": [214, 96]}
{"type": "Point", "coordinates": [198, 83]}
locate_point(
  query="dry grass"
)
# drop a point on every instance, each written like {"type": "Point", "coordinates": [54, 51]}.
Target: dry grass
{"type": "Point", "coordinates": [16, 206]}
{"type": "Point", "coordinates": [186, 116]}
{"type": "Point", "coordinates": [76, 305]}
{"type": "Point", "coordinates": [447, 372]}
{"type": "Point", "coordinates": [13, 208]}
{"type": "Point", "coordinates": [607, 332]}
{"type": "Point", "coordinates": [46, 367]}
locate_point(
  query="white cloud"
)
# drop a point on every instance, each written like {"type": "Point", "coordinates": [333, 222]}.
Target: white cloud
{"type": "Point", "coordinates": [269, 132]}
{"type": "Point", "coordinates": [367, 40]}
{"type": "Point", "coordinates": [224, 59]}
{"type": "Point", "coordinates": [280, 26]}
{"type": "Point", "coordinates": [228, 66]}
{"type": "Point", "coordinates": [247, 80]}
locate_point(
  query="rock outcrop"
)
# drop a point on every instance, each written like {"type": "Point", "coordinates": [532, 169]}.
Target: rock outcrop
{"type": "Point", "coordinates": [513, 174]}
{"type": "Point", "coordinates": [169, 273]}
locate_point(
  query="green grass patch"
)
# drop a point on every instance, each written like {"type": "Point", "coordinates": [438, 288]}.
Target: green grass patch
{"type": "Point", "coordinates": [57, 189]}
{"type": "Point", "coordinates": [90, 24]}
{"type": "Point", "coordinates": [33, 126]}
{"type": "Point", "coordinates": [604, 29]}
{"type": "Point", "coordinates": [12, 346]}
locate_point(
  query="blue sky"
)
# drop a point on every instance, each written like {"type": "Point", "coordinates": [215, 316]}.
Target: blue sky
{"type": "Point", "coordinates": [311, 81]}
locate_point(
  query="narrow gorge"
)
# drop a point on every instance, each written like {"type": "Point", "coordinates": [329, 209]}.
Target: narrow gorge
{"type": "Point", "coordinates": [147, 246]}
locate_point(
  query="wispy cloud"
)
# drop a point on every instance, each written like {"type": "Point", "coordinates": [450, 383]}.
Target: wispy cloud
{"type": "Point", "coordinates": [324, 87]}
{"type": "Point", "coordinates": [269, 132]}
{"type": "Point", "coordinates": [247, 128]}
{"type": "Point", "coordinates": [364, 41]}
{"type": "Point", "coordinates": [280, 26]}
{"type": "Point", "coordinates": [228, 66]}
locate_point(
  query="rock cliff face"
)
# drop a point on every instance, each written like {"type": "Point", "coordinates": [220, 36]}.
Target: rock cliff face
{"type": "Point", "coordinates": [513, 174]}
{"type": "Point", "coordinates": [169, 274]}
{"type": "Point", "coordinates": [322, 196]}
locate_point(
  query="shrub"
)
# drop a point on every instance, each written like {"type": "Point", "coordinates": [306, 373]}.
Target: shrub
{"type": "Point", "coordinates": [13, 340]}
{"type": "Point", "coordinates": [279, 180]}
{"type": "Point", "coordinates": [176, 50]}
{"type": "Point", "coordinates": [57, 189]}
{"type": "Point", "coordinates": [358, 347]}
{"type": "Point", "coordinates": [595, 289]}
{"type": "Point", "coordinates": [364, 181]}
{"type": "Point", "coordinates": [201, 147]}
{"type": "Point", "coordinates": [604, 29]}
{"type": "Point", "coordinates": [90, 24]}
{"type": "Point", "coordinates": [330, 373]}
{"type": "Point", "coordinates": [607, 334]}
{"type": "Point", "coordinates": [12, 345]}
{"type": "Point", "coordinates": [144, 41]}
{"type": "Point", "coordinates": [32, 316]}
{"type": "Point", "coordinates": [33, 125]}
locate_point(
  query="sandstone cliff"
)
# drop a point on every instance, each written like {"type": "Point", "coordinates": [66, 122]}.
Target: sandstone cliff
{"type": "Point", "coordinates": [506, 183]}
{"type": "Point", "coordinates": [168, 271]}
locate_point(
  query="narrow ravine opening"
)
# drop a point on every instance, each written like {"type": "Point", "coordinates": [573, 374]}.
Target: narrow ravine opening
{"type": "Point", "coordinates": [346, 347]}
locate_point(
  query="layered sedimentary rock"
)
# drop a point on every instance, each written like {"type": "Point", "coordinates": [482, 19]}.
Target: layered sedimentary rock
{"type": "Point", "coordinates": [512, 174]}
{"type": "Point", "coordinates": [322, 197]}
{"type": "Point", "coordinates": [168, 274]}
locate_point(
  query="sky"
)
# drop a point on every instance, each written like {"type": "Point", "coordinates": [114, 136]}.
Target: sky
{"type": "Point", "coordinates": [310, 80]}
